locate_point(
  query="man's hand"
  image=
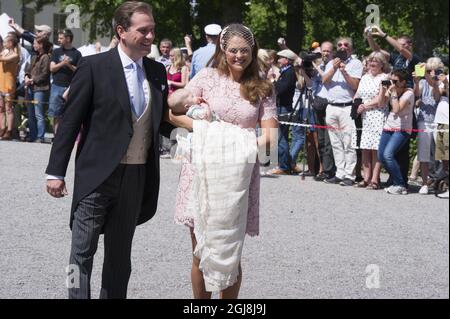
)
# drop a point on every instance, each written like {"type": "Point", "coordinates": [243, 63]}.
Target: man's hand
{"type": "Point", "coordinates": [66, 60]}
{"type": "Point", "coordinates": [282, 43]}
{"type": "Point", "coordinates": [56, 188]}
{"type": "Point", "coordinates": [376, 31]}
{"type": "Point", "coordinates": [336, 63]}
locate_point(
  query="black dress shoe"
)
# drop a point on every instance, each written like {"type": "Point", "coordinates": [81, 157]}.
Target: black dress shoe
{"type": "Point", "coordinates": [346, 182]}
{"type": "Point", "coordinates": [333, 180]}
{"type": "Point", "coordinates": [320, 177]}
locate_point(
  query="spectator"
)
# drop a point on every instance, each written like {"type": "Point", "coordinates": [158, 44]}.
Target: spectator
{"type": "Point", "coordinates": [285, 89]}
{"type": "Point", "coordinates": [188, 63]}
{"type": "Point", "coordinates": [188, 44]}
{"type": "Point", "coordinates": [63, 65]}
{"type": "Point", "coordinates": [441, 119]}
{"type": "Point", "coordinates": [40, 30]}
{"type": "Point", "coordinates": [202, 55]}
{"type": "Point", "coordinates": [164, 47]}
{"type": "Point", "coordinates": [177, 73]}
{"type": "Point", "coordinates": [320, 92]}
{"type": "Point", "coordinates": [274, 71]}
{"type": "Point", "coordinates": [402, 57]}
{"type": "Point", "coordinates": [9, 66]}
{"type": "Point", "coordinates": [397, 128]}
{"type": "Point", "coordinates": [263, 59]}
{"type": "Point", "coordinates": [114, 42]}
{"type": "Point", "coordinates": [37, 81]}
{"type": "Point", "coordinates": [341, 79]}
{"type": "Point", "coordinates": [428, 90]}
{"type": "Point", "coordinates": [303, 91]}
{"type": "Point", "coordinates": [373, 115]}
{"type": "Point", "coordinates": [154, 53]}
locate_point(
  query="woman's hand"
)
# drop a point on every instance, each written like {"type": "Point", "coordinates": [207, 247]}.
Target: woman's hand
{"type": "Point", "coordinates": [361, 109]}
{"type": "Point", "coordinates": [443, 78]}
{"type": "Point", "coordinates": [187, 40]}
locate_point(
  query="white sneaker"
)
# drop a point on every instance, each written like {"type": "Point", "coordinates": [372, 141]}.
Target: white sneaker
{"type": "Point", "coordinates": [423, 190]}
{"type": "Point", "coordinates": [396, 190]}
{"type": "Point", "coordinates": [443, 195]}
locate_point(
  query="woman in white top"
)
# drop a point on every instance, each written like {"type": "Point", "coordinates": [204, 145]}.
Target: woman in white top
{"type": "Point", "coordinates": [397, 128]}
{"type": "Point", "coordinates": [373, 113]}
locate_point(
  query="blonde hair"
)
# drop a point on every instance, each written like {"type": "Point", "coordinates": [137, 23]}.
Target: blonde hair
{"type": "Point", "coordinates": [379, 57]}
{"type": "Point", "coordinates": [178, 61]}
{"type": "Point", "coordinates": [434, 64]}
{"type": "Point", "coordinates": [263, 59]}
{"type": "Point", "coordinates": [178, 99]}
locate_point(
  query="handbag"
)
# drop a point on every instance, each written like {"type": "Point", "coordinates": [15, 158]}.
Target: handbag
{"type": "Point", "coordinates": [413, 134]}
{"type": "Point", "coordinates": [319, 104]}
{"type": "Point", "coordinates": [354, 112]}
{"type": "Point", "coordinates": [294, 115]}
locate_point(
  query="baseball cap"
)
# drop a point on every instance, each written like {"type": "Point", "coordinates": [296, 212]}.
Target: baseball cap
{"type": "Point", "coordinates": [213, 29]}
{"type": "Point", "coordinates": [43, 27]}
{"type": "Point", "coordinates": [288, 54]}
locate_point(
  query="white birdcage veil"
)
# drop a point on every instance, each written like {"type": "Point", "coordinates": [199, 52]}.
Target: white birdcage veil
{"type": "Point", "coordinates": [238, 30]}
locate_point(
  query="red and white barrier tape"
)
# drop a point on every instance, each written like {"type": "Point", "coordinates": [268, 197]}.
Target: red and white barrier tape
{"type": "Point", "coordinates": [332, 128]}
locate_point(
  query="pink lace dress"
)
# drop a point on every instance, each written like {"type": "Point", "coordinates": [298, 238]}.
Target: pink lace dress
{"type": "Point", "coordinates": [224, 98]}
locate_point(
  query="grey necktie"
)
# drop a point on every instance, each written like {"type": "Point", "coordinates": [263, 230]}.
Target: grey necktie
{"type": "Point", "coordinates": [138, 97]}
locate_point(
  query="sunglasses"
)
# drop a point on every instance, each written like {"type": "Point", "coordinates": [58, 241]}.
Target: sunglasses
{"type": "Point", "coordinates": [343, 44]}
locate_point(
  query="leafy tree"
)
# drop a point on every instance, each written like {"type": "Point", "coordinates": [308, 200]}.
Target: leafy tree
{"type": "Point", "coordinates": [300, 21]}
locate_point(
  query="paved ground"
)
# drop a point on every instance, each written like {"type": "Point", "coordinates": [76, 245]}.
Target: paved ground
{"type": "Point", "coordinates": [316, 240]}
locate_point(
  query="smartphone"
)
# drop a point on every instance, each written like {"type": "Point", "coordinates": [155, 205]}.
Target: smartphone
{"type": "Point", "coordinates": [419, 69]}
{"type": "Point", "coordinates": [436, 74]}
{"type": "Point", "coordinates": [342, 55]}
{"type": "Point", "coordinates": [386, 83]}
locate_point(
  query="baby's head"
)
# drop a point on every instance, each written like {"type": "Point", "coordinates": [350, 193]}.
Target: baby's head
{"type": "Point", "coordinates": [180, 100]}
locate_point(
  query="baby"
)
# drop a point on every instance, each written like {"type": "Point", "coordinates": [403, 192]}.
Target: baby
{"type": "Point", "coordinates": [182, 101]}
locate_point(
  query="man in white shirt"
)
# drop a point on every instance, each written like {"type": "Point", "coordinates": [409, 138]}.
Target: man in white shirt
{"type": "Point", "coordinates": [341, 79]}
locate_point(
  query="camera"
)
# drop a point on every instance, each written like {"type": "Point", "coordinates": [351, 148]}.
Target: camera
{"type": "Point", "coordinates": [386, 82]}
{"type": "Point", "coordinates": [342, 55]}
{"type": "Point", "coordinates": [308, 58]}
{"type": "Point", "coordinates": [307, 62]}
{"type": "Point", "coordinates": [437, 73]}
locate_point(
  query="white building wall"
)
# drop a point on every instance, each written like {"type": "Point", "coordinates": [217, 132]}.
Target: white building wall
{"type": "Point", "coordinates": [13, 9]}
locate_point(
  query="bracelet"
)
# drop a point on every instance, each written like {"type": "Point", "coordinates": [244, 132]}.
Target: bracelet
{"type": "Point", "coordinates": [385, 36]}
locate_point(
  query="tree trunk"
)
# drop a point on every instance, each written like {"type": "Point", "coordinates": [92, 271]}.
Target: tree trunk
{"type": "Point", "coordinates": [295, 26]}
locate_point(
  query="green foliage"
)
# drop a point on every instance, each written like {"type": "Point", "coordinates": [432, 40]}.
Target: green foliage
{"type": "Point", "coordinates": [264, 19]}
{"type": "Point", "coordinates": [426, 22]}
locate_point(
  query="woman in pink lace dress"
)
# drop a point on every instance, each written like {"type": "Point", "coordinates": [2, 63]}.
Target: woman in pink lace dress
{"type": "Point", "coordinates": [235, 92]}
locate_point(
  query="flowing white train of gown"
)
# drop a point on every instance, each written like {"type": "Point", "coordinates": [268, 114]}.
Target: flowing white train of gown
{"type": "Point", "coordinates": [223, 155]}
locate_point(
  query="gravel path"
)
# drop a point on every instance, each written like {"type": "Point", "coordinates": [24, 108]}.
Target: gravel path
{"type": "Point", "coordinates": [316, 240]}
